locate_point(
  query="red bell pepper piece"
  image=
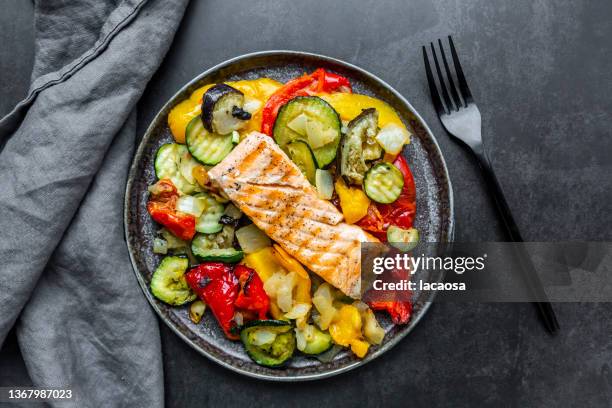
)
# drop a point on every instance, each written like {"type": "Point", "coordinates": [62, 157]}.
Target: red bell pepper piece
{"type": "Point", "coordinates": [162, 207]}
{"type": "Point", "coordinates": [308, 84]}
{"type": "Point", "coordinates": [252, 296]}
{"type": "Point", "coordinates": [397, 304]}
{"type": "Point", "coordinates": [400, 311]}
{"type": "Point", "coordinates": [400, 213]}
{"type": "Point", "coordinates": [218, 287]}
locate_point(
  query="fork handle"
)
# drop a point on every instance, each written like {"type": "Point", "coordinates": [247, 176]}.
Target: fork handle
{"type": "Point", "coordinates": [529, 273]}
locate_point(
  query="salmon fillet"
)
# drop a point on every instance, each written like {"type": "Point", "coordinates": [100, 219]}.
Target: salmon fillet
{"type": "Point", "coordinates": [271, 190]}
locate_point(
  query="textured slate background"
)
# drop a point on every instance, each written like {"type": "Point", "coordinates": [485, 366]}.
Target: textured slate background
{"type": "Point", "coordinates": [540, 72]}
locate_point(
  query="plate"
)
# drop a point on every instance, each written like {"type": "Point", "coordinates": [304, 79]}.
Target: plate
{"type": "Point", "coordinates": [434, 210]}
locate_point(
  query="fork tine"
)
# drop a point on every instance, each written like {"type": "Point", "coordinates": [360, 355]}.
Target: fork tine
{"type": "Point", "coordinates": [435, 96]}
{"type": "Point", "coordinates": [451, 83]}
{"type": "Point", "coordinates": [463, 86]}
{"type": "Point", "coordinates": [447, 100]}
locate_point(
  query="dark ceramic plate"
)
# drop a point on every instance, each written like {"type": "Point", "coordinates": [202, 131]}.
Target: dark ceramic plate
{"type": "Point", "coordinates": [434, 210]}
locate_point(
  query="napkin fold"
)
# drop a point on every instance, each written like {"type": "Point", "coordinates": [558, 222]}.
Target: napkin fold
{"type": "Point", "coordinates": [65, 277]}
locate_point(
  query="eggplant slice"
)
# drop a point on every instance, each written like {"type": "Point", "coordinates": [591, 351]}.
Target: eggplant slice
{"type": "Point", "coordinates": [359, 146]}
{"type": "Point", "coordinates": [222, 111]}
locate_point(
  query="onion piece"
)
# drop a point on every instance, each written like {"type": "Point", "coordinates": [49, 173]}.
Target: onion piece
{"type": "Point", "coordinates": [325, 184]}
{"type": "Point", "coordinates": [262, 337]}
{"type": "Point", "coordinates": [160, 246]}
{"type": "Point", "coordinates": [392, 138]}
{"type": "Point", "coordinates": [298, 310]}
{"type": "Point", "coordinates": [252, 239]}
{"type": "Point", "coordinates": [196, 311]}
{"type": "Point", "coordinates": [190, 205]}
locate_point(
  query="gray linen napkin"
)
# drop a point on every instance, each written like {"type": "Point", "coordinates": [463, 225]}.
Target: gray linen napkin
{"type": "Point", "coordinates": [64, 270]}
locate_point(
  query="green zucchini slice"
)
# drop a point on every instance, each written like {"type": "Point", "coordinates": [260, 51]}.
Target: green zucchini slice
{"type": "Point", "coordinates": [301, 155]}
{"type": "Point", "coordinates": [206, 147]}
{"type": "Point", "coordinates": [216, 247]}
{"type": "Point", "coordinates": [313, 121]}
{"type": "Point", "coordinates": [269, 343]}
{"type": "Point", "coordinates": [169, 160]}
{"type": "Point", "coordinates": [319, 343]}
{"type": "Point", "coordinates": [208, 222]}
{"type": "Point", "coordinates": [168, 282]}
{"type": "Point", "coordinates": [383, 183]}
{"type": "Point", "coordinates": [403, 239]}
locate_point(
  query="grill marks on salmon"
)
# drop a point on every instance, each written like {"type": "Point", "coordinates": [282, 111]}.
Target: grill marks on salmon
{"type": "Point", "coordinates": [271, 190]}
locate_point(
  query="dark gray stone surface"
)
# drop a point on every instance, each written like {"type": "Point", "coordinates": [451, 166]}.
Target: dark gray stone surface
{"type": "Point", "coordinates": [540, 72]}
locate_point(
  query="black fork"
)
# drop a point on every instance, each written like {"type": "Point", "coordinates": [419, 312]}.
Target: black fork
{"type": "Point", "coordinates": [461, 118]}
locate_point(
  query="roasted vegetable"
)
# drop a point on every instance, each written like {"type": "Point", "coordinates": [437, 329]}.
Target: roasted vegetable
{"type": "Point", "coordinates": [170, 159]}
{"type": "Point", "coordinates": [252, 296]}
{"type": "Point", "coordinates": [168, 282]}
{"type": "Point", "coordinates": [311, 120]}
{"type": "Point", "coordinates": [222, 109]}
{"type": "Point", "coordinates": [320, 81]}
{"type": "Point", "coordinates": [403, 239]}
{"type": "Point", "coordinates": [311, 340]}
{"type": "Point", "coordinates": [264, 262]}
{"type": "Point", "coordinates": [324, 182]}
{"type": "Point", "coordinates": [358, 146]}
{"type": "Point", "coordinates": [207, 147]}
{"type": "Point", "coordinates": [162, 208]}
{"type": "Point", "coordinates": [392, 138]}
{"type": "Point", "coordinates": [323, 300]}
{"type": "Point", "coordinates": [345, 330]}
{"type": "Point", "coordinates": [383, 183]}
{"type": "Point", "coordinates": [399, 213]}
{"type": "Point", "coordinates": [214, 247]}
{"type": "Point", "coordinates": [268, 342]}
{"type": "Point", "coordinates": [399, 311]}
{"type": "Point", "coordinates": [252, 239]}
{"type": "Point", "coordinates": [217, 286]}
{"type": "Point", "coordinates": [353, 201]}
{"type": "Point", "coordinates": [196, 311]}
{"type": "Point", "coordinates": [301, 155]}
{"type": "Point", "coordinates": [209, 220]}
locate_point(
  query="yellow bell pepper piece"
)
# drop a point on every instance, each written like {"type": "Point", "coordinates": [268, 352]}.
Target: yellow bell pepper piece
{"type": "Point", "coordinates": [289, 262]}
{"type": "Point", "coordinates": [346, 330]}
{"type": "Point", "coordinates": [360, 348]}
{"type": "Point", "coordinates": [264, 262]}
{"type": "Point", "coordinates": [267, 262]}
{"type": "Point", "coordinates": [349, 105]}
{"type": "Point", "coordinates": [276, 312]}
{"type": "Point", "coordinates": [180, 116]}
{"type": "Point", "coordinates": [353, 201]}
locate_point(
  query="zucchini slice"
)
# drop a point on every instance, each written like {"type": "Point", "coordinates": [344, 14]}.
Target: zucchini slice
{"type": "Point", "coordinates": [169, 161]}
{"type": "Point", "coordinates": [208, 222]}
{"type": "Point", "coordinates": [403, 239]}
{"type": "Point", "coordinates": [168, 282]}
{"type": "Point", "coordinates": [222, 111]}
{"type": "Point", "coordinates": [311, 120]}
{"type": "Point", "coordinates": [269, 343]}
{"type": "Point", "coordinates": [216, 247]}
{"type": "Point", "coordinates": [319, 343]}
{"type": "Point", "coordinates": [206, 147]}
{"type": "Point", "coordinates": [358, 146]}
{"type": "Point", "coordinates": [301, 155]}
{"type": "Point", "coordinates": [383, 183]}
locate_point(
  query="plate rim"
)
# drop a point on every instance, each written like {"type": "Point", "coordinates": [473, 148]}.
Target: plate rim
{"type": "Point", "coordinates": [143, 285]}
